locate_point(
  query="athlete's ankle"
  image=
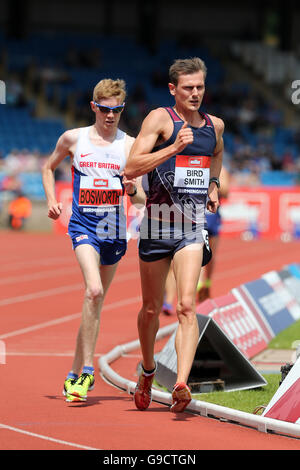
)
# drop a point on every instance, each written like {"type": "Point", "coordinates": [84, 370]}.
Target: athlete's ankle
{"type": "Point", "coordinates": [88, 370]}
{"type": "Point", "coordinates": [149, 371]}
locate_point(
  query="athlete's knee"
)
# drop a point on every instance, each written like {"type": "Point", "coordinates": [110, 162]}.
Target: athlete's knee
{"type": "Point", "coordinates": [150, 310]}
{"type": "Point", "coordinates": [94, 293]}
{"type": "Point", "coordinates": [186, 308]}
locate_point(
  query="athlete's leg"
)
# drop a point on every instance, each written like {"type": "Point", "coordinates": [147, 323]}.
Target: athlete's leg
{"type": "Point", "coordinates": [187, 264]}
{"type": "Point", "coordinates": [213, 242]}
{"type": "Point", "coordinates": [170, 292]}
{"type": "Point", "coordinates": [153, 278]}
{"type": "Point", "coordinates": [97, 282]}
{"type": "Point", "coordinates": [205, 279]}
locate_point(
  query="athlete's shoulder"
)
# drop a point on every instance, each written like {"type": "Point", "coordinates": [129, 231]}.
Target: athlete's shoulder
{"type": "Point", "coordinates": [70, 136]}
{"type": "Point", "coordinates": [158, 114]}
{"type": "Point", "coordinates": [157, 118]}
{"type": "Point", "coordinates": [218, 123]}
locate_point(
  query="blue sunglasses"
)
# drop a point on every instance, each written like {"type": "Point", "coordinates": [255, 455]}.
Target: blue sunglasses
{"type": "Point", "coordinates": [106, 109]}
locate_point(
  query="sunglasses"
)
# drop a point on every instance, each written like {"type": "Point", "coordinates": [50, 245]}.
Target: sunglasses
{"type": "Point", "coordinates": [106, 109]}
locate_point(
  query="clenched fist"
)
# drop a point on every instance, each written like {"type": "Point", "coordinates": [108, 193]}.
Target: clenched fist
{"type": "Point", "coordinates": [184, 137]}
{"type": "Point", "coordinates": [54, 210]}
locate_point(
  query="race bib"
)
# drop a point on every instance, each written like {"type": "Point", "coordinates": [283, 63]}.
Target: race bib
{"type": "Point", "coordinates": [191, 174]}
{"type": "Point", "coordinates": [99, 194]}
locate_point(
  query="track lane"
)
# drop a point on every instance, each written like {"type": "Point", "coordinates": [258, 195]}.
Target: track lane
{"type": "Point", "coordinates": [40, 358]}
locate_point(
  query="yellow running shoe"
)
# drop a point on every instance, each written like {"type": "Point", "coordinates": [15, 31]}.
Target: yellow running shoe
{"type": "Point", "coordinates": [81, 386]}
{"type": "Point", "coordinates": [67, 385]}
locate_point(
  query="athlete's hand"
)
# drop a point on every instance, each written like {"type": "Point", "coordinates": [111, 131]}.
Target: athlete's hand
{"type": "Point", "coordinates": [213, 199]}
{"type": "Point", "coordinates": [54, 210]}
{"type": "Point", "coordinates": [184, 137]}
{"type": "Point", "coordinates": [129, 184]}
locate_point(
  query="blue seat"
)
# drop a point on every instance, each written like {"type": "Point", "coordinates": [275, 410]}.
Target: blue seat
{"type": "Point", "coordinates": [277, 178]}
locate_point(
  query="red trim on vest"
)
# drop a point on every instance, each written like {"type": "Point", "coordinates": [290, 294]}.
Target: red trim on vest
{"type": "Point", "coordinates": [174, 115]}
{"type": "Point", "coordinates": [207, 119]}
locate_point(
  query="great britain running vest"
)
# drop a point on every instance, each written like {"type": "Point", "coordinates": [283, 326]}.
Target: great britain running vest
{"type": "Point", "coordinates": [97, 184]}
{"type": "Point", "coordinates": [182, 181]}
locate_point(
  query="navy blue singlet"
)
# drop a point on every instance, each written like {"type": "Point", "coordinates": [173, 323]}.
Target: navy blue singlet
{"type": "Point", "coordinates": [183, 180]}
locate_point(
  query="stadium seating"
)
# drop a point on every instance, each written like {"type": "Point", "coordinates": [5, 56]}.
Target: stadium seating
{"type": "Point", "coordinates": [70, 65]}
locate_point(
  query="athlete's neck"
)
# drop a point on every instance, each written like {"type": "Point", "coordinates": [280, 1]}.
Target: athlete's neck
{"type": "Point", "coordinates": [193, 118]}
{"type": "Point", "coordinates": [103, 134]}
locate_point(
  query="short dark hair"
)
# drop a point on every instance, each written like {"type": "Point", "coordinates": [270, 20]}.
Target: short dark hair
{"type": "Point", "coordinates": [185, 67]}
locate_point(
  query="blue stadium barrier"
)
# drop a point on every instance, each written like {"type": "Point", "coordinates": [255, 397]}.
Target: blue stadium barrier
{"type": "Point", "coordinates": [272, 306]}
{"type": "Point", "coordinates": [257, 311]}
{"type": "Point", "coordinates": [32, 185]}
{"type": "Point", "coordinates": [294, 268]}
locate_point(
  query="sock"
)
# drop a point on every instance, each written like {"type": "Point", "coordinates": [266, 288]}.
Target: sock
{"type": "Point", "coordinates": [206, 283]}
{"type": "Point", "coordinates": [148, 372]}
{"type": "Point", "coordinates": [71, 375]}
{"type": "Point", "coordinates": [167, 306]}
{"type": "Point", "coordinates": [199, 285]}
{"type": "Point", "coordinates": [88, 370]}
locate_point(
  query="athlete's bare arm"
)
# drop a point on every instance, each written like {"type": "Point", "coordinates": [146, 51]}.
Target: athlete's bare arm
{"type": "Point", "coordinates": [216, 165]}
{"type": "Point", "coordinates": [133, 184]}
{"type": "Point", "coordinates": [155, 128]}
{"type": "Point", "coordinates": [224, 183]}
{"type": "Point", "coordinates": [65, 147]}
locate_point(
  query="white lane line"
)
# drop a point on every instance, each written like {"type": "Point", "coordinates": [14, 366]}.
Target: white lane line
{"type": "Point", "coordinates": [39, 275]}
{"type": "Point", "coordinates": [41, 325]}
{"type": "Point", "coordinates": [40, 294]}
{"type": "Point", "coordinates": [42, 354]}
{"type": "Point", "coordinates": [60, 290]}
{"type": "Point", "coordinates": [37, 262]}
{"type": "Point", "coordinates": [46, 438]}
{"type": "Point", "coordinates": [47, 262]}
{"type": "Point", "coordinates": [57, 321]}
{"type": "Point", "coordinates": [259, 263]}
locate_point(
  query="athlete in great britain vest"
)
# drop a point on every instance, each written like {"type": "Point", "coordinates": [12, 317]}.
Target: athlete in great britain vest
{"type": "Point", "coordinates": [97, 184]}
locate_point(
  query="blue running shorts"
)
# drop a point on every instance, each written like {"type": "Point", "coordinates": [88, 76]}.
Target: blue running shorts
{"type": "Point", "coordinates": [110, 251]}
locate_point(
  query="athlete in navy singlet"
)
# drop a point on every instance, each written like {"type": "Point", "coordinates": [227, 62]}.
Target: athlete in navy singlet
{"type": "Point", "coordinates": [180, 183]}
{"type": "Point", "coordinates": [97, 225]}
{"type": "Point", "coordinates": [181, 150]}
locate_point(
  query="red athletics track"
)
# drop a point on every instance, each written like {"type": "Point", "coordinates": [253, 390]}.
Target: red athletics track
{"type": "Point", "coordinates": [40, 301]}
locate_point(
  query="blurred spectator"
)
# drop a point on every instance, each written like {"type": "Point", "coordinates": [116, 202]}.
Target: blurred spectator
{"type": "Point", "coordinates": [63, 172]}
{"type": "Point", "coordinates": [135, 110]}
{"type": "Point", "coordinates": [251, 122]}
{"type": "Point", "coordinates": [24, 161]}
{"type": "Point", "coordinates": [14, 92]}
{"type": "Point", "coordinates": [247, 113]}
{"type": "Point", "coordinates": [19, 210]}
{"type": "Point", "coordinates": [11, 183]}
{"type": "Point", "coordinates": [89, 58]}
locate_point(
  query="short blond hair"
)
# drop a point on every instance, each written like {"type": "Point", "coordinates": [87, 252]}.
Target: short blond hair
{"type": "Point", "coordinates": [108, 88]}
{"type": "Point", "coordinates": [186, 67]}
